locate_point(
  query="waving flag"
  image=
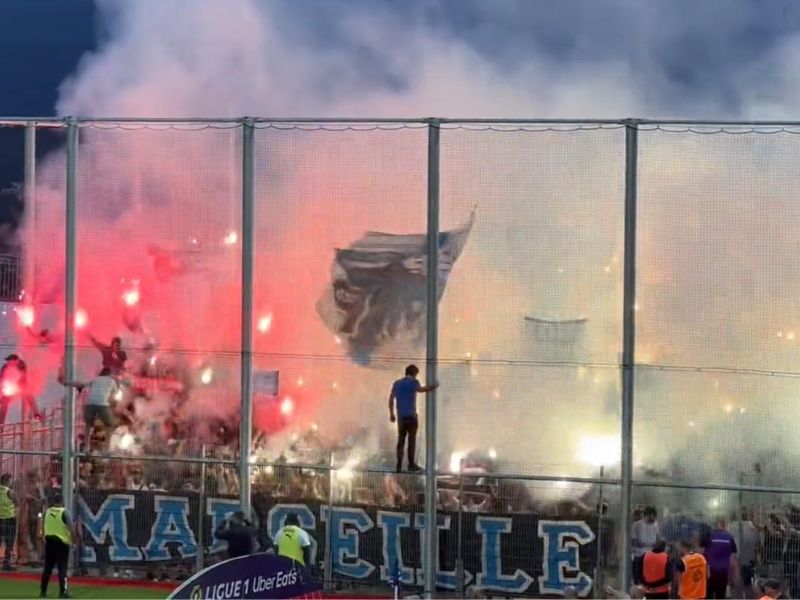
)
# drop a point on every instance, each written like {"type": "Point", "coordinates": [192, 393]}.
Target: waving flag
{"type": "Point", "coordinates": [377, 300]}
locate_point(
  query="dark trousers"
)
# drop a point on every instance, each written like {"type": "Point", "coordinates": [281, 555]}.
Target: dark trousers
{"type": "Point", "coordinates": [717, 585]}
{"type": "Point", "coordinates": [638, 567]}
{"type": "Point", "coordinates": [8, 531]}
{"type": "Point", "coordinates": [791, 575]}
{"type": "Point", "coordinates": [56, 554]}
{"type": "Point", "coordinates": [407, 427]}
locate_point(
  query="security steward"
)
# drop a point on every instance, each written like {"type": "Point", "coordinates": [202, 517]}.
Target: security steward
{"type": "Point", "coordinates": [239, 533]}
{"type": "Point", "coordinates": [657, 571]}
{"type": "Point", "coordinates": [771, 588]}
{"type": "Point", "coordinates": [58, 533]}
{"type": "Point", "coordinates": [693, 569]}
{"type": "Point", "coordinates": [8, 519]}
{"type": "Point", "coordinates": [293, 542]}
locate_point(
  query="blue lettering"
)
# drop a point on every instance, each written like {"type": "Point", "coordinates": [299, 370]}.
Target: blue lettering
{"type": "Point", "coordinates": [171, 526]}
{"type": "Point", "coordinates": [391, 523]}
{"type": "Point", "coordinates": [491, 576]}
{"type": "Point", "coordinates": [110, 521]}
{"type": "Point", "coordinates": [344, 540]}
{"type": "Point", "coordinates": [561, 556]}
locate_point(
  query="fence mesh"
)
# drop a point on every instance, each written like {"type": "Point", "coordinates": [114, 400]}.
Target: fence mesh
{"type": "Point", "coordinates": [530, 324]}
{"type": "Point", "coordinates": [531, 258]}
{"type": "Point", "coordinates": [339, 312]}
{"type": "Point", "coordinates": [716, 306]}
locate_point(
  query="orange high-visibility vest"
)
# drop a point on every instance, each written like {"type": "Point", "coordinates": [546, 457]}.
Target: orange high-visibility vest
{"type": "Point", "coordinates": [694, 578]}
{"type": "Point", "coordinates": [654, 570]}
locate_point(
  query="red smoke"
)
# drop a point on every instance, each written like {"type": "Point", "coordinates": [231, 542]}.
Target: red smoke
{"type": "Point", "coordinates": [159, 256]}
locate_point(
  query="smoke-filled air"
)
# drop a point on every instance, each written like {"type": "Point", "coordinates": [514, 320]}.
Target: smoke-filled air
{"type": "Point", "coordinates": [530, 320]}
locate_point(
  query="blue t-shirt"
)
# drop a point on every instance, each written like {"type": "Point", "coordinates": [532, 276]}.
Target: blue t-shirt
{"type": "Point", "coordinates": [405, 394]}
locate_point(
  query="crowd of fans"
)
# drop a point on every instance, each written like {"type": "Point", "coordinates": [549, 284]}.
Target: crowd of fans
{"type": "Point", "coordinates": [767, 538]}
{"type": "Point", "coordinates": [757, 547]}
{"type": "Point", "coordinates": [115, 402]}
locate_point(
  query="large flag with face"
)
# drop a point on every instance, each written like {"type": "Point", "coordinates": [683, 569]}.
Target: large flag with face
{"type": "Point", "coordinates": [376, 304]}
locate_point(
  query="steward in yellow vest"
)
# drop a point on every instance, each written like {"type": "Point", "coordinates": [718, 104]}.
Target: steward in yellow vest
{"type": "Point", "coordinates": [58, 534]}
{"type": "Point", "coordinates": [8, 519]}
{"type": "Point", "coordinates": [293, 542]}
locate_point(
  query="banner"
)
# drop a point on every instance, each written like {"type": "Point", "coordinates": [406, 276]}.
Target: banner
{"type": "Point", "coordinates": [266, 382]}
{"type": "Point", "coordinates": [510, 554]}
{"type": "Point", "coordinates": [378, 293]}
{"type": "Point", "coordinates": [257, 576]}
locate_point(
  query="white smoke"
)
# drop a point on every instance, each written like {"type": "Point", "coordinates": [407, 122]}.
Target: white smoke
{"type": "Point", "coordinates": [713, 249]}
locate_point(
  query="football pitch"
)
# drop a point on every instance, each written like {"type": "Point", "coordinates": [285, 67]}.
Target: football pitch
{"type": "Point", "coordinates": [22, 588]}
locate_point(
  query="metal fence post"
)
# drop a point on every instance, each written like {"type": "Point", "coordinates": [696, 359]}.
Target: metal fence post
{"type": "Point", "coordinates": [30, 210]}
{"type": "Point", "coordinates": [68, 437]}
{"type": "Point", "coordinates": [598, 556]}
{"type": "Point", "coordinates": [28, 274]}
{"type": "Point", "coordinates": [327, 556]}
{"type": "Point", "coordinates": [459, 549]}
{"type": "Point", "coordinates": [628, 346]}
{"type": "Point", "coordinates": [201, 515]}
{"type": "Point", "coordinates": [248, 233]}
{"type": "Point", "coordinates": [430, 552]}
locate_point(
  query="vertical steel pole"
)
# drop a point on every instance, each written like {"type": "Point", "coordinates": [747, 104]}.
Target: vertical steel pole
{"type": "Point", "coordinates": [628, 346]}
{"type": "Point", "coordinates": [414, 547]}
{"type": "Point", "coordinates": [68, 438]}
{"type": "Point", "coordinates": [201, 515]}
{"type": "Point", "coordinates": [741, 591]}
{"type": "Point", "coordinates": [598, 556]}
{"type": "Point", "coordinates": [328, 557]}
{"type": "Point", "coordinates": [29, 276]}
{"type": "Point", "coordinates": [29, 266]}
{"type": "Point", "coordinates": [248, 233]}
{"type": "Point", "coordinates": [430, 552]}
{"type": "Point", "coordinates": [459, 550]}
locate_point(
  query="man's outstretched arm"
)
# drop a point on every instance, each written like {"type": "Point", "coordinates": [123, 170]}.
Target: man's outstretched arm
{"type": "Point", "coordinates": [427, 388]}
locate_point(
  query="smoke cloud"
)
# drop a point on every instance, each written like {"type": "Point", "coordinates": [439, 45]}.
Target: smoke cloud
{"type": "Point", "coordinates": [717, 218]}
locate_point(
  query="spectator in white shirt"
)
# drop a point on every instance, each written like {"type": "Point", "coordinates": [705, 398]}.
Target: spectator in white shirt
{"type": "Point", "coordinates": [100, 392]}
{"type": "Point", "coordinates": [644, 535]}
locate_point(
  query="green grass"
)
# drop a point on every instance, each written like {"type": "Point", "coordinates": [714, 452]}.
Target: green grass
{"type": "Point", "coordinates": [12, 588]}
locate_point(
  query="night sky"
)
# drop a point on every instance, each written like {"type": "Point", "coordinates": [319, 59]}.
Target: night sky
{"type": "Point", "coordinates": [43, 41]}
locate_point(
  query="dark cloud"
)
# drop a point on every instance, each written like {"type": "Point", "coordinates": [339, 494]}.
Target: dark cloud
{"type": "Point", "coordinates": [681, 55]}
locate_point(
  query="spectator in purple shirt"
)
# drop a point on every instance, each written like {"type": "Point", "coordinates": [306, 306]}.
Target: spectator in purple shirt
{"type": "Point", "coordinates": [720, 551]}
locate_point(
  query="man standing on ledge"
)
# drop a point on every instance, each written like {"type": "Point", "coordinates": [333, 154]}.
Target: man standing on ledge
{"type": "Point", "coordinates": [404, 392]}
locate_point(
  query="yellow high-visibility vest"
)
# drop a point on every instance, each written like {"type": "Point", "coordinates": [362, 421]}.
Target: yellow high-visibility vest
{"type": "Point", "coordinates": [290, 545]}
{"type": "Point", "coordinates": [54, 524]}
{"type": "Point", "coordinates": [7, 508]}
